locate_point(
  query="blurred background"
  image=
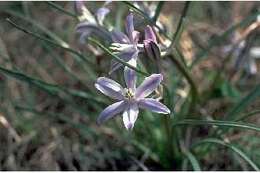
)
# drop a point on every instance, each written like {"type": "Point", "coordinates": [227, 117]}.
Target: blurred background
{"type": "Point", "coordinates": [49, 106]}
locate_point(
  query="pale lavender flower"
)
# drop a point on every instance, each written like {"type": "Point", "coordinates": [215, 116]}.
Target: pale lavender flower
{"type": "Point", "coordinates": [91, 24]}
{"type": "Point", "coordinates": [125, 46]}
{"type": "Point", "coordinates": [130, 99]}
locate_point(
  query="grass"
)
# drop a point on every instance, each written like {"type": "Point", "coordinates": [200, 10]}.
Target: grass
{"type": "Point", "coordinates": [49, 104]}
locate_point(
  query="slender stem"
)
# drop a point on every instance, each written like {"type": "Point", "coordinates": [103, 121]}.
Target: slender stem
{"type": "Point", "coordinates": [169, 141]}
{"type": "Point", "coordinates": [50, 41]}
{"type": "Point", "coordinates": [181, 21]}
{"type": "Point", "coordinates": [184, 71]}
{"type": "Point", "coordinates": [54, 5]}
{"type": "Point", "coordinates": [158, 10]}
{"type": "Point", "coordinates": [245, 116]}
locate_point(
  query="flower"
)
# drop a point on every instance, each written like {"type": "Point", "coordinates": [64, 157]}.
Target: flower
{"type": "Point", "coordinates": [91, 24]}
{"type": "Point", "coordinates": [125, 46]}
{"type": "Point", "coordinates": [130, 99]}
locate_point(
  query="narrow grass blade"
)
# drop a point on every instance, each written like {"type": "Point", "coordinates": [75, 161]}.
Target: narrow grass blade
{"type": "Point", "coordinates": [83, 128]}
{"type": "Point", "coordinates": [38, 26]}
{"type": "Point", "coordinates": [158, 10]}
{"type": "Point", "coordinates": [194, 162]}
{"type": "Point", "coordinates": [241, 105]}
{"type": "Point", "coordinates": [51, 42]}
{"type": "Point", "coordinates": [49, 88]}
{"type": "Point", "coordinates": [181, 21]}
{"type": "Point", "coordinates": [232, 147]}
{"type": "Point", "coordinates": [61, 9]}
{"type": "Point", "coordinates": [229, 124]}
{"type": "Point", "coordinates": [245, 116]}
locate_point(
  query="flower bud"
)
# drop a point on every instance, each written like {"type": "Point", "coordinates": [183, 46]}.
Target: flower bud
{"type": "Point", "coordinates": [150, 44]}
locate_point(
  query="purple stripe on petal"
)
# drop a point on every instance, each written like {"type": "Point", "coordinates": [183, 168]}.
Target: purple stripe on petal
{"type": "Point", "coordinates": [149, 34]}
{"type": "Point", "coordinates": [130, 115]}
{"type": "Point", "coordinates": [111, 111]}
{"type": "Point", "coordinates": [109, 88]}
{"type": "Point", "coordinates": [136, 36]}
{"type": "Point", "coordinates": [126, 56]}
{"type": "Point", "coordinates": [119, 37]}
{"type": "Point", "coordinates": [148, 86]}
{"type": "Point", "coordinates": [130, 27]}
{"type": "Point", "coordinates": [130, 75]}
{"type": "Point", "coordinates": [153, 105]}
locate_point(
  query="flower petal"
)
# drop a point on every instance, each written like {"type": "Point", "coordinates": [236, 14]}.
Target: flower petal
{"type": "Point", "coordinates": [149, 34]}
{"type": "Point", "coordinates": [109, 88]}
{"type": "Point", "coordinates": [153, 105]}
{"type": "Point", "coordinates": [119, 37]}
{"type": "Point", "coordinates": [111, 111]}
{"type": "Point", "coordinates": [130, 75]}
{"type": "Point", "coordinates": [86, 29]}
{"type": "Point", "coordinates": [130, 115]}
{"type": "Point", "coordinates": [130, 27]}
{"type": "Point", "coordinates": [101, 14]}
{"type": "Point", "coordinates": [126, 56]}
{"type": "Point", "coordinates": [148, 86]}
{"type": "Point", "coordinates": [83, 12]}
{"type": "Point", "coordinates": [136, 36]}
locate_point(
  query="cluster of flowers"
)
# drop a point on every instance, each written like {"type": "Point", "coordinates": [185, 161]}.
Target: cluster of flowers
{"type": "Point", "coordinates": [127, 47]}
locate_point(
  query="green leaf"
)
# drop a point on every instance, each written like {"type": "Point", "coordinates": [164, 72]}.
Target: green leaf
{"type": "Point", "coordinates": [245, 116]}
{"type": "Point", "coordinates": [241, 105]}
{"type": "Point", "coordinates": [229, 124]}
{"type": "Point", "coordinates": [49, 88]}
{"type": "Point", "coordinates": [158, 10]}
{"type": "Point", "coordinates": [181, 21]}
{"type": "Point", "coordinates": [232, 147]}
{"type": "Point", "coordinates": [194, 162]}
{"type": "Point", "coordinates": [61, 9]}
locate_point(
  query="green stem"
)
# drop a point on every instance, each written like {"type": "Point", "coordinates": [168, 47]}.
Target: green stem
{"type": "Point", "coordinates": [50, 41]}
{"type": "Point", "coordinates": [185, 72]}
{"type": "Point", "coordinates": [181, 21]}
{"type": "Point", "coordinates": [59, 8]}
{"type": "Point", "coordinates": [158, 10]}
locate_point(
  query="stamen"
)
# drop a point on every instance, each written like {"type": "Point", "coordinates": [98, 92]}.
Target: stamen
{"type": "Point", "coordinates": [129, 94]}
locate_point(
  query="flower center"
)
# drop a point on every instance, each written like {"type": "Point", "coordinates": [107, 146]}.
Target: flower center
{"type": "Point", "coordinates": [129, 94]}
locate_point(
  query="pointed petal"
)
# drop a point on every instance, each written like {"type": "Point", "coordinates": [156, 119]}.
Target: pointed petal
{"type": "Point", "coordinates": [130, 27]}
{"type": "Point", "coordinates": [119, 37]}
{"type": "Point", "coordinates": [126, 56]}
{"type": "Point", "coordinates": [111, 111]}
{"type": "Point", "coordinates": [130, 115]}
{"type": "Point", "coordinates": [149, 34]}
{"type": "Point", "coordinates": [114, 66]}
{"type": "Point", "coordinates": [87, 28]}
{"type": "Point", "coordinates": [148, 86]}
{"type": "Point", "coordinates": [101, 14]}
{"type": "Point", "coordinates": [153, 105]}
{"type": "Point", "coordinates": [83, 12]}
{"type": "Point", "coordinates": [130, 75]}
{"type": "Point", "coordinates": [109, 88]}
{"type": "Point", "coordinates": [136, 36]}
